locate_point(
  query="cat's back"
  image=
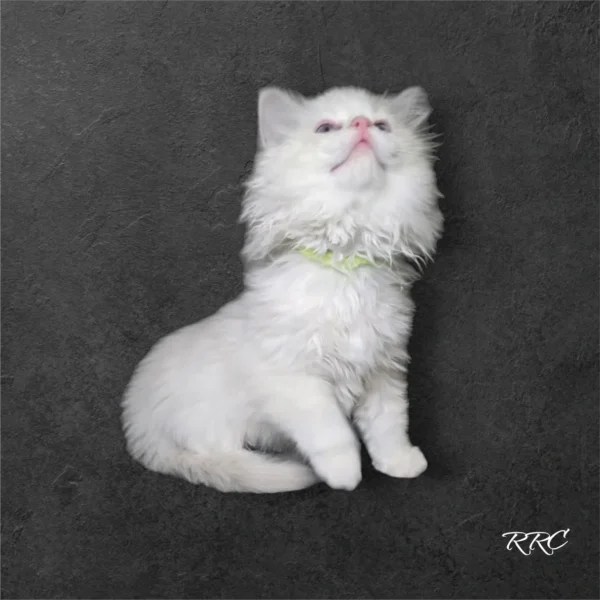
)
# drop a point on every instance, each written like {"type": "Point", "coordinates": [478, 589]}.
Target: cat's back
{"type": "Point", "coordinates": [193, 355]}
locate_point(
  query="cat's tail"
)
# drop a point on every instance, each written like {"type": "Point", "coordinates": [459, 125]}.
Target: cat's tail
{"type": "Point", "coordinates": [239, 471]}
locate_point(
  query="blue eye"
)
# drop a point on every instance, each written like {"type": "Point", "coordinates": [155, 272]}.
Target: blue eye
{"type": "Point", "coordinates": [326, 127]}
{"type": "Point", "coordinates": [383, 126]}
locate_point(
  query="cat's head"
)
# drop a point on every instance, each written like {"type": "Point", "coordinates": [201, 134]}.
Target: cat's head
{"type": "Point", "coordinates": [347, 170]}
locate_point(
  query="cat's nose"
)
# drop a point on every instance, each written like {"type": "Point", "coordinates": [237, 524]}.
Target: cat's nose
{"type": "Point", "coordinates": [361, 123]}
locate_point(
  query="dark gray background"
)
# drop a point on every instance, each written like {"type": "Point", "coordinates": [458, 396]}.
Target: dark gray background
{"type": "Point", "coordinates": [127, 129]}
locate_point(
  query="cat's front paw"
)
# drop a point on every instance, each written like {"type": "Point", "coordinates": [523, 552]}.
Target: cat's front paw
{"type": "Point", "coordinates": [407, 463]}
{"type": "Point", "coordinates": [339, 468]}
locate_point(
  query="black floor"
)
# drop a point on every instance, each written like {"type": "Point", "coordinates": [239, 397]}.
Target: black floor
{"type": "Point", "coordinates": [127, 128]}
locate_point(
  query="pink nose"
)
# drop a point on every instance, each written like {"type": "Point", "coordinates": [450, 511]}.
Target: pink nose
{"type": "Point", "coordinates": [361, 123]}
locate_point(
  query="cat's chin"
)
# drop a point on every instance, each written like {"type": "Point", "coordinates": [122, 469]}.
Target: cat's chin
{"type": "Point", "coordinates": [362, 169]}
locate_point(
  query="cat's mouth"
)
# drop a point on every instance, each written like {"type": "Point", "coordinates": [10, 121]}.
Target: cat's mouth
{"type": "Point", "coordinates": [361, 146]}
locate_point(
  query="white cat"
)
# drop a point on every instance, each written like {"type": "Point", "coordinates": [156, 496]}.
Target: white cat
{"type": "Point", "coordinates": [343, 190]}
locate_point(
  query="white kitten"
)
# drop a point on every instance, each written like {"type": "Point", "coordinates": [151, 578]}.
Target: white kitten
{"type": "Point", "coordinates": [342, 191]}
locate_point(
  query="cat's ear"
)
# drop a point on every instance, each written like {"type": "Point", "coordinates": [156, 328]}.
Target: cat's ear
{"type": "Point", "coordinates": [412, 107]}
{"type": "Point", "coordinates": [278, 112]}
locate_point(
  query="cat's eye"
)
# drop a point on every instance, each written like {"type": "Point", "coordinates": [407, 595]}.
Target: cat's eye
{"type": "Point", "coordinates": [383, 125]}
{"type": "Point", "coordinates": [327, 126]}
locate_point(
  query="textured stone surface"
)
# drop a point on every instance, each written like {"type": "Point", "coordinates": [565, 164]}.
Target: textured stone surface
{"type": "Point", "coordinates": [127, 128]}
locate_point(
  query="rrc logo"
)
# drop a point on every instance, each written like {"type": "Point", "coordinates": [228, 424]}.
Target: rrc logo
{"type": "Point", "coordinates": [526, 543]}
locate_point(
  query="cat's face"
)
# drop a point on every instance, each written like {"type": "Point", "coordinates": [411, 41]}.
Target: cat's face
{"type": "Point", "coordinates": [347, 169]}
{"type": "Point", "coordinates": [344, 138]}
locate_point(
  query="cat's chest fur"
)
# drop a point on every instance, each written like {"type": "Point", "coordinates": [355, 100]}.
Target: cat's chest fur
{"type": "Point", "coordinates": [342, 326]}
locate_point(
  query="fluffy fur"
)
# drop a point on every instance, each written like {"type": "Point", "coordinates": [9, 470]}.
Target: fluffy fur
{"type": "Point", "coordinates": [261, 396]}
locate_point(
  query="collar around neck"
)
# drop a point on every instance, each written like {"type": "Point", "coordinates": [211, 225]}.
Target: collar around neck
{"type": "Point", "coordinates": [345, 264]}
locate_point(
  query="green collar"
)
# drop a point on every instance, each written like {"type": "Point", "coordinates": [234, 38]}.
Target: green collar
{"type": "Point", "coordinates": [345, 264]}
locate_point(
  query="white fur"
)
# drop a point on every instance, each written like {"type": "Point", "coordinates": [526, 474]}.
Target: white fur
{"type": "Point", "coordinates": [306, 348]}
